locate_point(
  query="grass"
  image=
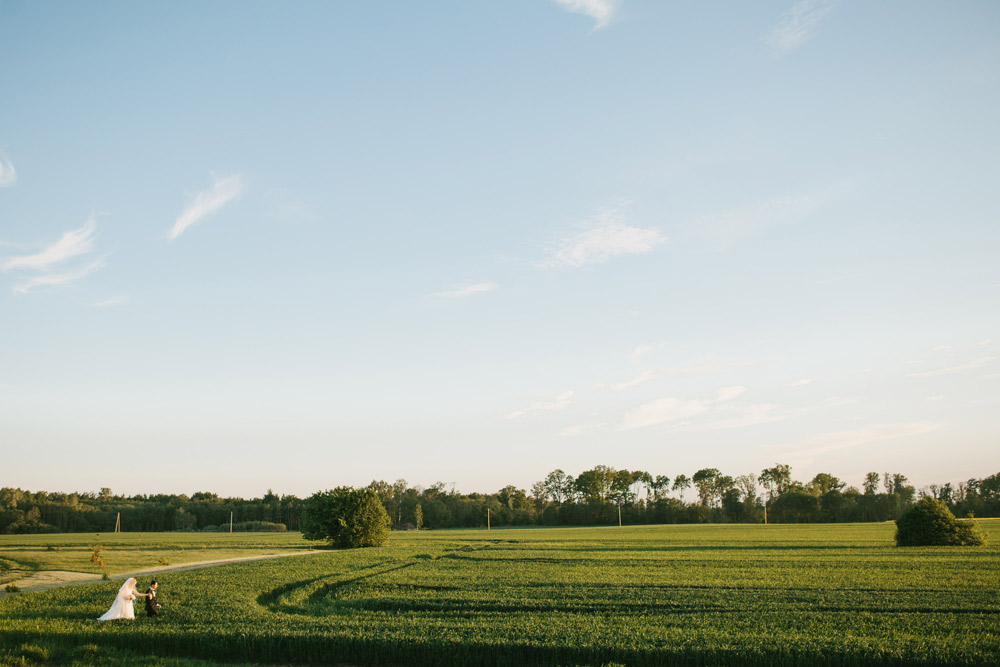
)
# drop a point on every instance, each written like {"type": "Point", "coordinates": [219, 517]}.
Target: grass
{"type": "Point", "coordinates": [21, 555]}
{"type": "Point", "coordinates": [809, 594]}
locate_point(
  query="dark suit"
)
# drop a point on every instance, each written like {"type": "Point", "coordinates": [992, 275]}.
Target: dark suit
{"type": "Point", "coordinates": [151, 608]}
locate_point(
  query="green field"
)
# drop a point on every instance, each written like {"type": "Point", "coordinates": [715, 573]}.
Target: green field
{"type": "Point", "coordinates": [708, 594]}
{"type": "Point", "coordinates": [20, 555]}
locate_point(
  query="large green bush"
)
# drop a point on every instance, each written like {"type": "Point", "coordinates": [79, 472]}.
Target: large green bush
{"type": "Point", "coordinates": [931, 523]}
{"type": "Point", "coordinates": [346, 517]}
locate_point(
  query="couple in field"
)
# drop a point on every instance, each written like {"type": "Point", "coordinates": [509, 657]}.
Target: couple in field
{"type": "Point", "coordinates": [122, 606]}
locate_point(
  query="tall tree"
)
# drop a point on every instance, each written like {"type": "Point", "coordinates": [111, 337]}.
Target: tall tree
{"type": "Point", "coordinates": [824, 482]}
{"type": "Point", "coordinates": [871, 484]}
{"type": "Point", "coordinates": [682, 482]}
{"type": "Point", "coordinates": [747, 485]}
{"type": "Point", "coordinates": [706, 480]}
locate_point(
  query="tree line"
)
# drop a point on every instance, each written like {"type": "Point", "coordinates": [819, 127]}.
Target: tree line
{"type": "Point", "coordinates": [599, 496]}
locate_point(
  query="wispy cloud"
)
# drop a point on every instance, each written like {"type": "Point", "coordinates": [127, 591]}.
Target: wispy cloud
{"type": "Point", "coordinates": [72, 244]}
{"type": "Point", "coordinates": [760, 217]}
{"type": "Point", "coordinates": [972, 365]}
{"type": "Point", "coordinates": [111, 302]}
{"type": "Point", "coordinates": [58, 279]}
{"type": "Point", "coordinates": [8, 175]}
{"type": "Point", "coordinates": [705, 366]}
{"type": "Point", "coordinates": [674, 409]}
{"type": "Point", "coordinates": [468, 290]}
{"type": "Point", "coordinates": [642, 378]}
{"type": "Point", "coordinates": [604, 237]}
{"type": "Point", "coordinates": [642, 350]}
{"type": "Point", "coordinates": [602, 11]}
{"type": "Point", "coordinates": [740, 416]}
{"type": "Point", "coordinates": [797, 25]}
{"type": "Point", "coordinates": [800, 383]}
{"type": "Point", "coordinates": [579, 429]}
{"type": "Point", "coordinates": [559, 402]}
{"type": "Point", "coordinates": [223, 191]}
{"type": "Point", "coordinates": [831, 442]}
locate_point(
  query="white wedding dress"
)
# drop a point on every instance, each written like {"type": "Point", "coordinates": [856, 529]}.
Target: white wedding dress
{"type": "Point", "coordinates": [122, 606]}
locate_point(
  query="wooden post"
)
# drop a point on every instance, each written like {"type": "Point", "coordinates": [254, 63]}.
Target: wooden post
{"type": "Point", "coordinates": [619, 516]}
{"type": "Point", "coordinates": [230, 522]}
{"type": "Point", "coordinates": [118, 522]}
{"type": "Point", "coordinates": [765, 512]}
{"type": "Point", "coordinates": [487, 518]}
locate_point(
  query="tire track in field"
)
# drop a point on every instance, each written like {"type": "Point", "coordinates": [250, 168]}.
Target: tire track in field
{"type": "Point", "coordinates": [49, 579]}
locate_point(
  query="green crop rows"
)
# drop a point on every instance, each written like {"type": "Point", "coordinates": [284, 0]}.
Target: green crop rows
{"type": "Point", "coordinates": [811, 594]}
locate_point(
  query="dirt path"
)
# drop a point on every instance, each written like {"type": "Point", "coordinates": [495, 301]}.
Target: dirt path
{"type": "Point", "coordinates": [43, 581]}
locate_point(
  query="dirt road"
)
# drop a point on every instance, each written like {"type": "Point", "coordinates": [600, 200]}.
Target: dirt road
{"type": "Point", "coordinates": [43, 581]}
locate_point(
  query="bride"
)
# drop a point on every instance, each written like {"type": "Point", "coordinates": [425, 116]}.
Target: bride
{"type": "Point", "coordinates": [122, 606]}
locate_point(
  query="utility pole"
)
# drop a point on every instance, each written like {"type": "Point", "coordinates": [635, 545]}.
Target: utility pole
{"type": "Point", "coordinates": [487, 518]}
{"type": "Point", "coordinates": [230, 522]}
{"type": "Point", "coordinates": [118, 522]}
{"type": "Point", "coordinates": [765, 512]}
{"type": "Point", "coordinates": [619, 516]}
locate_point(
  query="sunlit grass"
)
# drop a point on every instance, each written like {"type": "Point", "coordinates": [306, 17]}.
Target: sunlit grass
{"type": "Point", "coordinates": [810, 594]}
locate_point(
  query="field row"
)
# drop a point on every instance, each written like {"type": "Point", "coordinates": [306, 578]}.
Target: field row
{"type": "Point", "coordinates": [641, 596]}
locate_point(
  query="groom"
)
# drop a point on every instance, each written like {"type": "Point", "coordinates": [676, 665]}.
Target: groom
{"type": "Point", "coordinates": [152, 609]}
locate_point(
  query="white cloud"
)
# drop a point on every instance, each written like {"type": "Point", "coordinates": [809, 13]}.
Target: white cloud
{"type": "Point", "coordinates": [559, 402]}
{"type": "Point", "coordinates": [642, 350]}
{"type": "Point", "coordinates": [831, 442]}
{"type": "Point", "coordinates": [673, 409]}
{"type": "Point", "coordinates": [941, 348]}
{"type": "Point", "coordinates": [935, 398]}
{"type": "Point", "coordinates": [603, 238]}
{"type": "Point", "coordinates": [71, 244]}
{"type": "Point", "coordinates": [705, 366]}
{"type": "Point", "coordinates": [111, 302]}
{"type": "Point", "coordinates": [644, 377]}
{"type": "Point", "coordinates": [601, 11]}
{"type": "Point", "coordinates": [223, 191]}
{"type": "Point", "coordinates": [579, 429]}
{"type": "Point", "coordinates": [728, 393]}
{"type": "Point", "coordinates": [978, 363]}
{"type": "Point", "coordinates": [467, 290]}
{"type": "Point", "coordinates": [800, 383]}
{"type": "Point", "coordinates": [760, 217]}
{"type": "Point", "coordinates": [8, 175]}
{"type": "Point", "coordinates": [59, 279]}
{"type": "Point", "coordinates": [797, 25]}
{"type": "Point", "coordinates": [663, 410]}
{"type": "Point", "coordinates": [739, 416]}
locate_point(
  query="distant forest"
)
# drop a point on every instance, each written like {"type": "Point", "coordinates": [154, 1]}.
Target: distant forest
{"type": "Point", "coordinates": [599, 496]}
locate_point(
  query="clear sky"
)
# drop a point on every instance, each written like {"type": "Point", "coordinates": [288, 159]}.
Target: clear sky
{"type": "Point", "coordinates": [251, 245]}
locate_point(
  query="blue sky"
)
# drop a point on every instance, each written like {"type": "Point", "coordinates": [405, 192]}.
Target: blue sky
{"type": "Point", "coordinates": [259, 245]}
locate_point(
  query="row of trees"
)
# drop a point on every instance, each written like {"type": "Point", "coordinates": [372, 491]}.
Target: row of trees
{"type": "Point", "coordinates": [42, 512]}
{"type": "Point", "coordinates": [594, 497]}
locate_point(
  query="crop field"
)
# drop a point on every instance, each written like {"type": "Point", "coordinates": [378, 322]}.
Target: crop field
{"type": "Point", "coordinates": [710, 594]}
{"type": "Point", "coordinates": [20, 555]}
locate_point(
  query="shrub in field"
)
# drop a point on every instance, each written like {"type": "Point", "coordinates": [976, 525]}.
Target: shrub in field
{"type": "Point", "coordinates": [931, 523]}
{"type": "Point", "coordinates": [346, 517]}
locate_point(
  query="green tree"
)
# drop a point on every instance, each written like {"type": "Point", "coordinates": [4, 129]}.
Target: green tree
{"type": "Point", "coordinates": [931, 523]}
{"type": "Point", "coordinates": [871, 484]}
{"type": "Point", "coordinates": [346, 517]}
{"type": "Point", "coordinates": [776, 480]}
{"type": "Point", "coordinates": [706, 481]}
{"type": "Point", "coordinates": [682, 482]}
{"type": "Point", "coordinates": [824, 482]}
